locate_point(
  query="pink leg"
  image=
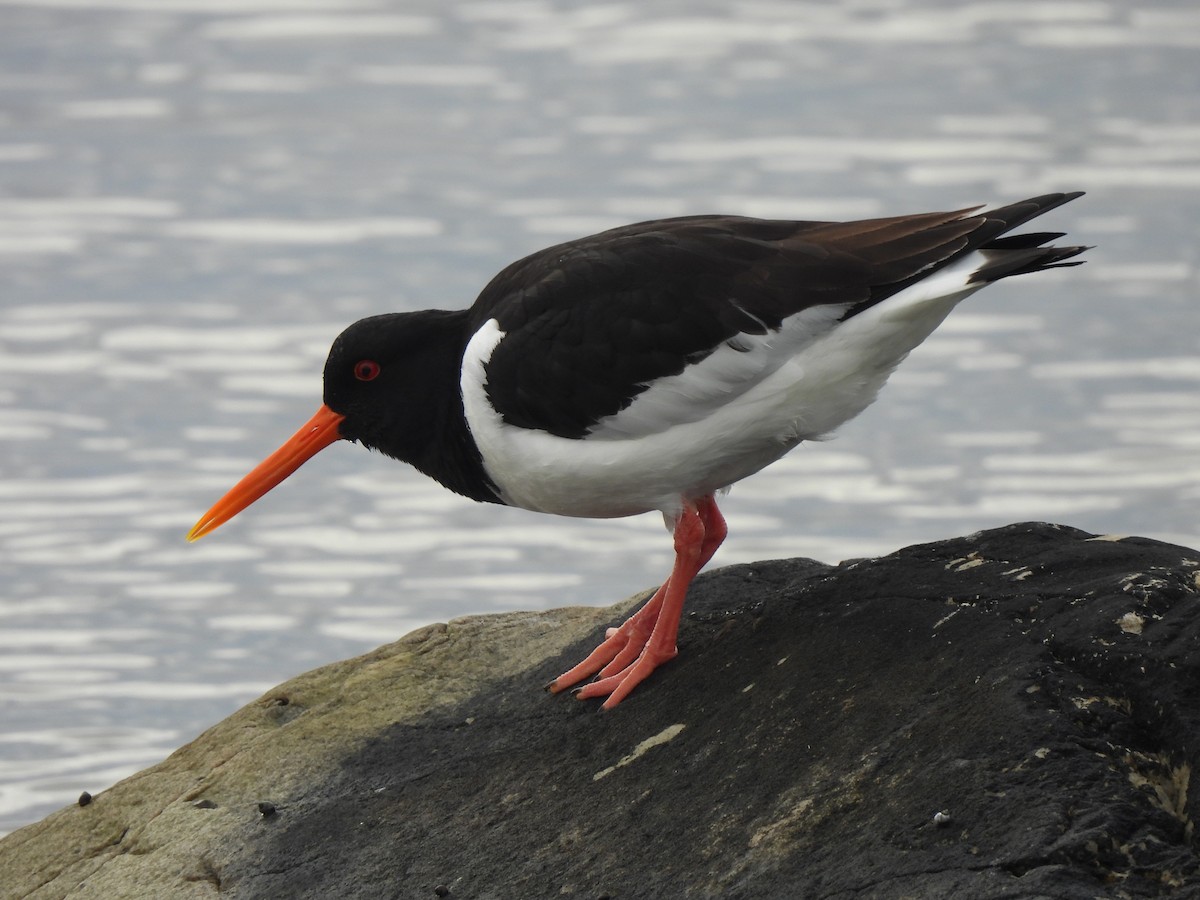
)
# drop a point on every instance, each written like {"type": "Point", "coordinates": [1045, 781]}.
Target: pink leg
{"type": "Point", "coordinates": [647, 638]}
{"type": "Point", "coordinates": [714, 533]}
{"type": "Point", "coordinates": [715, 528]}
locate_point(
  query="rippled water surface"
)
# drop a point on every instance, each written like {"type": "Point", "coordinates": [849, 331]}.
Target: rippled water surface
{"type": "Point", "coordinates": [196, 195]}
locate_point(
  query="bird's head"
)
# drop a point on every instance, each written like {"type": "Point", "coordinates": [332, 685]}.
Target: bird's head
{"type": "Point", "coordinates": [375, 394]}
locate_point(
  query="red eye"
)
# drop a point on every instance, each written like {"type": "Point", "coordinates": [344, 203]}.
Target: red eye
{"type": "Point", "coordinates": [366, 370]}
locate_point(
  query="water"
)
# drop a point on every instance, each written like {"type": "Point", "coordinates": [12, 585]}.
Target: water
{"type": "Point", "coordinates": [196, 196]}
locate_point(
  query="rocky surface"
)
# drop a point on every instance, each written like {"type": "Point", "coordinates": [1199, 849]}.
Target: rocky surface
{"type": "Point", "coordinates": [1011, 714]}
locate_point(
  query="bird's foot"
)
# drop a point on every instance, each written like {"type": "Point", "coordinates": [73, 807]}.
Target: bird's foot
{"type": "Point", "coordinates": [621, 646]}
{"type": "Point", "coordinates": [618, 685]}
{"type": "Point", "coordinates": [646, 639]}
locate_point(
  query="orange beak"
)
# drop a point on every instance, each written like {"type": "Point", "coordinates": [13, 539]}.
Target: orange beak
{"type": "Point", "coordinates": [318, 433]}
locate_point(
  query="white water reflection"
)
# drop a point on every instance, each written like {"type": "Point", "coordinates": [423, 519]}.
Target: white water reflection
{"type": "Point", "coordinates": [196, 197]}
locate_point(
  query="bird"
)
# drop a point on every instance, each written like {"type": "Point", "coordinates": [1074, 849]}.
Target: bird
{"type": "Point", "coordinates": [650, 367]}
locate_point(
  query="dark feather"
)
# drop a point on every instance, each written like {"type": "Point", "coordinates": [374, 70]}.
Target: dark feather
{"type": "Point", "coordinates": [590, 323]}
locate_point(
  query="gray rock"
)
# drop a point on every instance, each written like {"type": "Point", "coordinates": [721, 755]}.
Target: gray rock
{"type": "Point", "coordinates": [1011, 714]}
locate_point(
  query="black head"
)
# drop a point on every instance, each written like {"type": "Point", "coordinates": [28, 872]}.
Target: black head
{"type": "Point", "coordinates": [393, 378]}
{"type": "Point", "coordinates": [391, 383]}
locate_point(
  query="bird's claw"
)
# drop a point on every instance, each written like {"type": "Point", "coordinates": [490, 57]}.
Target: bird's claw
{"type": "Point", "coordinates": [618, 686]}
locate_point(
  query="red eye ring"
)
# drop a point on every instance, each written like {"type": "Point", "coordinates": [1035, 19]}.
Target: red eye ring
{"type": "Point", "coordinates": [366, 370]}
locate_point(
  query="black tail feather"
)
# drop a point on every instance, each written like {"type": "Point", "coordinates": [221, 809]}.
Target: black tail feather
{"type": "Point", "coordinates": [1023, 241]}
{"type": "Point", "coordinates": [1020, 254]}
{"type": "Point", "coordinates": [1017, 214]}
{"type": "Point", "coordinates": [936, 240]}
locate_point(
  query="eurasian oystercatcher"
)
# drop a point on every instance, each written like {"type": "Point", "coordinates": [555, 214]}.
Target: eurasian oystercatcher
{"type": "Point", "coordinates": [649, 367]}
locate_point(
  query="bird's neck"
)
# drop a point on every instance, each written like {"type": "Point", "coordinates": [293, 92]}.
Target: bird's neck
{"type": "Point", "coordinates": [449, 454]}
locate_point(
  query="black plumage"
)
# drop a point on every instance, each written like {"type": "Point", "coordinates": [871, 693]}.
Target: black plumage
{"type": "Point", "coordinates": [591, 323]}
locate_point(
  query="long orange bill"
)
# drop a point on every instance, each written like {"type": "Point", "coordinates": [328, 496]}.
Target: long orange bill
{"type": "Point", "coordinates": [318, 433]}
